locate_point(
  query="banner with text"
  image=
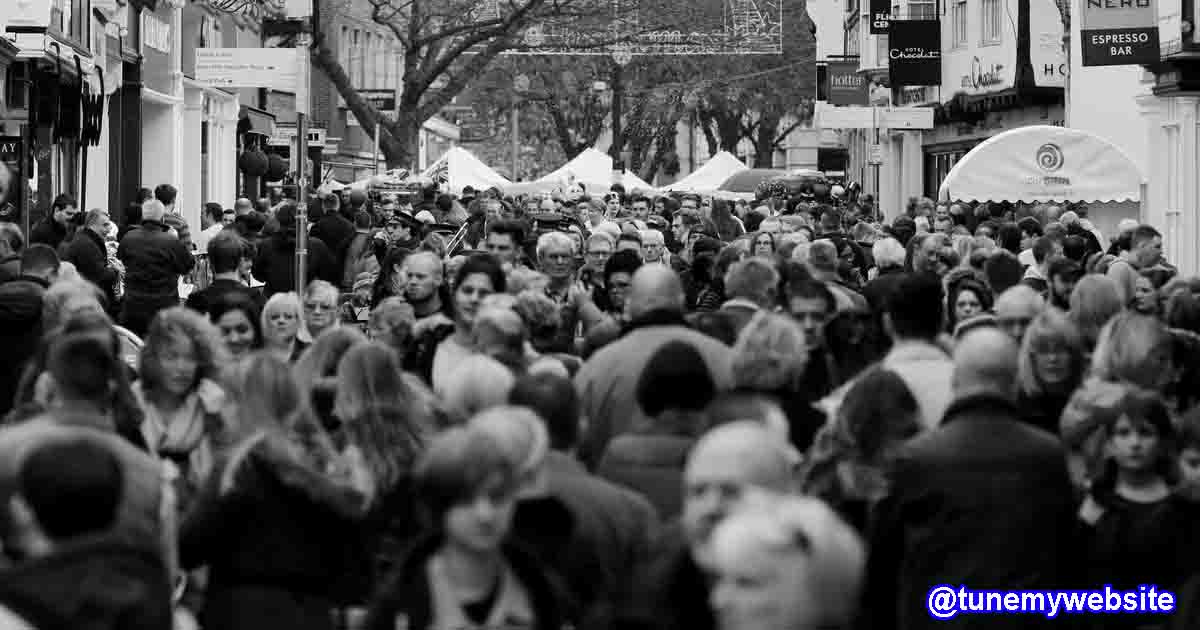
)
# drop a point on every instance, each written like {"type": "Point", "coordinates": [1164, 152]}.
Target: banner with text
{"type": "Point", "coordinates": [846, 85]}
{"type": "Point", "coordinates": [1119, 32]}
{"type": "Point", "coordinates": [881, 16]}
{"type": "Point", "coordinates": [915, 52]}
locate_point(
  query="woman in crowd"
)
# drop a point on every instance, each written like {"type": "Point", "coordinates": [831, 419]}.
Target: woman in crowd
{"type": "Point", "coordinates": [479, 277]}
{"type": "Point", "coordinates": [1094, 301]}
{"type": "Point", "coordinates": [180, 394]}
{"type": "Point", "coordinates": [464, 574]}
{"type": "Point", "coordinates": [391, 279]}
{"type": "Point", "coordinates": [316, 372]}
{"type": "Point", "coordinates": [281, 321]}
{"type": "Point", "coordinates": [764, 245]}
{"type": "Point", "coordinates": [239, 320]}
{"type": "Point", "coordinates": [1051, 366]}
{"type": "Point", "coordinates": [770, 358]}
{"type": "Point", "coordinates": [966, 298]}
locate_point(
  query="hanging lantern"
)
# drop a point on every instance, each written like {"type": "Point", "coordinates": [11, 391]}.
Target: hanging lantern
{"type": "Point", "coordinates": [253, 162]}
{"type": "Point", "coordinates": [277, 168]}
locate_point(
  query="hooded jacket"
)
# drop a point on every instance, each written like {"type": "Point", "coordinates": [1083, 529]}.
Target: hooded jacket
{"type": "Point", "coordinates": [20, 331]}
{"type": "Point", "coordinates": [153, 260]}
{"type": "Point", "coordinates": [90, 585]}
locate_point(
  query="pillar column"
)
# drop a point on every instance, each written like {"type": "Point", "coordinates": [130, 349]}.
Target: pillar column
{"type": "Point", "coordinates": [191, 194]}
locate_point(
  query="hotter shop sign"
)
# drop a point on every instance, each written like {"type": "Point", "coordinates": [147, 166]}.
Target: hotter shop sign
{"type": "Point", "coordinates": [1119, 32]}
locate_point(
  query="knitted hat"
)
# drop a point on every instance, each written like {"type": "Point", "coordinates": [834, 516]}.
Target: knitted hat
{"type": "Point", "coordinates": [675, 377]}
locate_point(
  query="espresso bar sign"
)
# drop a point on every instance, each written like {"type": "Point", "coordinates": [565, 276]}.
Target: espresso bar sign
{"type": "Point", "coordinates": [880, 17]}
{"type": "Point", "coordinates": [1119, 32]}
{"type": "Point", "coordinates": [846, 85]}
{"type": "Point", "coordinates": [915, 52]}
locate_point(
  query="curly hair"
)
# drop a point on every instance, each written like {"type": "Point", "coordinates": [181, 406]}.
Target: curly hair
{"type": "Point", "coordinates": [169, 325]}
{"type": "Point", "coordinates": [539, 313]}
{"type": "Point", "coordinates": [770, 355]}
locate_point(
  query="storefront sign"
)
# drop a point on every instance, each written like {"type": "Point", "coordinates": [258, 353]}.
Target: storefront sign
{"type": "Point", "coordinates": [1119, 32]}
{"type": "Point", "coordinates": [285, 136]}
{"type": "Point", "coordinates": [880, 16]}
{"type": "Point", "coordinates": [915, 52]}
{"type": "Point", "coordinates": [983, 75]}
{"type": "Point", "coordinates": [273, 68]}
{"type": "Point", "coordinates": [846, 85]}
{"type": "Point", "coordinates": [853, 117]}
{"type": "Point", "coordinates": [1050, 67]}
{"type": "Point", "coordinates": [12, 195]}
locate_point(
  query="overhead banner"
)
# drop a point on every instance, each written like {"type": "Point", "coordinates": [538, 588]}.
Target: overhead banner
{"type": "Point", "coordinates": [881, 16]}
{"type": "Point", "coordinates": [915, 52]}
{"type": "Point", "coordinates": [1119, 32]}
{"type": "Point", "coordinates": [846, 85]}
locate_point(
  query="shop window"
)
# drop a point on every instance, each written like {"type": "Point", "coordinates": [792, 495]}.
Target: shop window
{"type": "Point", "coordinates": [70, 18]}
{"type": "Point", "coordinates": [958, 19]}
{"type": "Point", "coordinates": [992, 21]}
{"type": "Point", "coordinates": [922, 10]}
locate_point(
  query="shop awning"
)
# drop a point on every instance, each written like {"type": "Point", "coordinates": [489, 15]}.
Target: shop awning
{"type": "Point", "coordinates": [254, 120]}
{"type": "Point", "coordinates": [1044, 164]}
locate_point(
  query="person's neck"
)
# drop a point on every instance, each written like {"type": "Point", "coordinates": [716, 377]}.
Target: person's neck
{"type": "Point", "coordinates": [428, 306]}
{"type": "Point", "coordinates": [169, 402]}
{"type": "Point", "coordinates": [228, 275]}
{"type": "Point", "coordinates": [95, 414]}
{"type": "Point", "coordinates": [559, 284]}
{"type": "Point", "coordinates": [469, 570]}
{"type": "Point", "coordinates": [1141, 486]}
{"type": "Point", "coordinates": [462, 334]}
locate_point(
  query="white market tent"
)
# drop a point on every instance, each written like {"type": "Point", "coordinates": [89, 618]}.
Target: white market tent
{"type": "Point", "coordinates": [1040, 163]}
{"type": "Point", "coordinates": [632, 182]}
{"type": "Point", "coordinates": [459, 168]}
{"type": "Point", "coordinates": [708, 178]}
{"type": "Point", "coordinates": [591, 168]}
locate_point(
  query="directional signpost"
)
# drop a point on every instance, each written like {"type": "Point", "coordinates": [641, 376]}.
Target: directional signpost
{"type": "Point", "coordinates": [272, 68]}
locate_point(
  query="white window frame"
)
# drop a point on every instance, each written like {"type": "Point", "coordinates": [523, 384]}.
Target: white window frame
{"type": "Point", "coordinates": [958, 24]}
{"type": "Point", "coordinates": [922, 10]}
{"type": "Point", "coordinates": [991, 22]}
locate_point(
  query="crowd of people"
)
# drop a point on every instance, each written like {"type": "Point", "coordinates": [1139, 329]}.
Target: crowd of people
{"type": "Point", "coordinates": [625, 412]}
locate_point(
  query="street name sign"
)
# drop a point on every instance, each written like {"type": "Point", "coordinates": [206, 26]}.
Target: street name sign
{"type": "Point", "coordinates": [272, 68]}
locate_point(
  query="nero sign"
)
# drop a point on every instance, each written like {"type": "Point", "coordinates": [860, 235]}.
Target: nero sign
{"type": "Point", "coordinates": [1119, 32]}
{"type": "Point", "coordinates": [880, 17]}
{"type": "Point", "coordinates": [915, 52]}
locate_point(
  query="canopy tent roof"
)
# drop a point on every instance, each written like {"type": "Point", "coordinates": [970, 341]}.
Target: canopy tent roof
{"type": "Point", "coordinates": [1040, 163]}
{"type": "Point", "coordinates": [591, 168]}
{"type": "Point", "coordinates": [710, 176]}
{"type": "Point", "coordinates": [459, 168]}
{"type": "Point", "coordinates": [632, 182]}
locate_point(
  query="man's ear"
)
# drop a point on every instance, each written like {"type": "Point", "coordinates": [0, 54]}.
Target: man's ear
{"type": "Point", "coordinates": [45, 389]}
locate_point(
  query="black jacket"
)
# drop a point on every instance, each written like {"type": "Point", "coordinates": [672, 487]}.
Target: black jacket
{"type": "Point", "coordinates": [153, 260]}
{"type": "Point", "coordinates": [20, 331]}
{"type": "Point", "coordinates": [48, 232]}
{"type": "Point", "coordinates": [92, 585]}
{"type": "Point", "coordinates": [200, 300]}
{"type": "Point", "coordinates": [984, 500]}
{"type": "Point", "coordinates": [88, 252]}
{"type": "Point", "coordinates": [336, 232]}
{"type": "Point", "coordinates": [276, 262]}
{"type": "Point", "coordinates": [667, 593]}
{"type": "Point", "coordinates": [406, 593]}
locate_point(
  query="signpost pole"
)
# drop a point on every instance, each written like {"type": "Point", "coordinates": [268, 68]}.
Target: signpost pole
{"type": "Point", "coordinates": [302, 43]}
{"type": "Point", "coordinates": [516, 138]}
{"type": "Point", "coordinates": [375, 150]}
{"type": "Point", "coordinates": [875, 163]}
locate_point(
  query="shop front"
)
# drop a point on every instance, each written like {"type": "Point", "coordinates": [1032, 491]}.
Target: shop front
{"type": "Point", "coordinates": [210, 114]}
{"type": "Point", "coordinates": [162, 101]}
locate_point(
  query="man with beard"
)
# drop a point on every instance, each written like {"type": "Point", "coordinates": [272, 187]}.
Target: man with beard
{"type": "Point", "coordinates": [1062, 273]}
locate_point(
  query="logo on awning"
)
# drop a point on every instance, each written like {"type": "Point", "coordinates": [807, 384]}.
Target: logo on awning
{"type": "Point", "coordinates": [1049, 157]}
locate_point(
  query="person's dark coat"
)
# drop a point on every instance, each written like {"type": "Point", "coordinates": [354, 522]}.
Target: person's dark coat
{"type": "Point", "coordinates": [406, 593]}
{"type": "Point", "coordinates": [880, 288]}
{"type": "Point", "coordinates": [88, 252]}
{"type": "Point", "coordinates": [336, 232]}
{"type": "Point", "coordinates": [48, 232]}
{"type": "Point", "coordinates": [669, 592]}
{"type": "Point", "coordinates": [90, 585]}
{"type": "Point", "coordinates": [153, 260]}
{"type": "Point", "coordinates": [273, 535]}
{"type": "Point", "coordinates": [20, 331]}
{"type": "Point", "coordinates": [10, 267]}
{"type": "Point", "coordinates": [199, 301]}
{"type": "Point", "coordinates": [651, 465]}
{"type": "Point", "coordinates": [275, 264]}
{"type": "Point", "coordinates": [983, 500]}
{"type": "Point", "coordinates": [739, 313]}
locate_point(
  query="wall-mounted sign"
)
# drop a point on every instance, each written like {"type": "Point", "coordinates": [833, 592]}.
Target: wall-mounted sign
{"type": "Point", "coordinates": [915, 52]}
{"type": "Point", "coordinates": [983, 75]}
{"type": "Point", "coordinates": [846, 85]}
{"type": "Point", "coordinates": [274, 68]}
{"type": "Point", "coordinates": [880, 16]}
{"type": "Point", "coordinates": [853, 117]}
{"type": "Point", "coordinates": [1119, 32]}
{"type": "Point", "coordinates": [285, 136]}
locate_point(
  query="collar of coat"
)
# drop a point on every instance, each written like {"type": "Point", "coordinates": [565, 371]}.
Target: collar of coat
{"type": "Point", "coordinates": [991, 404]}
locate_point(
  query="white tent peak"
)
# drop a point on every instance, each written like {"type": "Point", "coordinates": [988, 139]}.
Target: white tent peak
{"type": "Point", "coordinates": [1041, 163]}
{"type": "Point", "coordinates": [460, 168]}
{"type": "Point", "coordinates": [710, 176]}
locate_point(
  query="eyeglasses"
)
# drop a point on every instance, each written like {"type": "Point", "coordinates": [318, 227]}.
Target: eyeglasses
{"type": "Point", "coordinates": [319, 306]}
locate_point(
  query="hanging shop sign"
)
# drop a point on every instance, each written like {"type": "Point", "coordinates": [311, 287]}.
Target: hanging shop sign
{"type": "Point", "coordinates": [880, 16]}
{"type": "Point", "coordinates": [846, 85]}
{"type": "Point", "coordinates": [1119, 32]}
{"type": "Point", "coordinates": [915, 52]}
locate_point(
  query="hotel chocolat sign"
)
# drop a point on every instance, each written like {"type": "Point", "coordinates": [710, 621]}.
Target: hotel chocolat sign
{"type": "Point", "coordinates": [881, 16]}
{"type": "Point", "coordinates": [846, 85]}
{"type": "Point", "coordinates": [915, 52]}
{"type": "Point", "coordinates": [1119, 32]}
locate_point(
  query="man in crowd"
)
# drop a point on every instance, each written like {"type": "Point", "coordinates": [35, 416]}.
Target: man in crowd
{"type": "Point", "coordinates": [423, 287]}
{"type": "Point", "coordinates": [275, 262]}
{"type": "Point", "coordinates": [88, 251]}
{"type": "Point", "coordinates": [212, 221]}
{"type": "Point", "coordinates": [333, 229]}
{"type": "Point", "coordinates": [751, 286]}
{"type": "Point", "coordinates": [154, 259]}
{"type": "Point", "coordinates": [55, 228]}
{"type": "Point", "coordinates": [229, 257]}
{"type": "Point", "coordinates": [1001, 514]}
{"type": "Point", "coordinates": [21, 323]}
{"type": "Point", "coordinates": [1145, 250]}
{"type": "Point", "coordinates": [505, 239]}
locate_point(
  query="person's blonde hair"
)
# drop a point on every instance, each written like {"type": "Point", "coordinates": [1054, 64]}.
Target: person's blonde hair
{"type": "Point", "coordinates": [477, 384]}
{"type": "Point", "coordinates": [167, 325]}
{"type": "Point", "coordinates": [770, 354]}
{"type": "Point", "coordinates": [1050, 326]}
{"type": "Point", "coordinates": [1124, 349]}
{"type": "Point", "coordinates": [1094, 300]}
{"type": "Point", "coordinates": [281, 302]}
{"type": "Point", "coordinates": [522, 438]}
{"type": "Point", "coordinates": [782, 526]}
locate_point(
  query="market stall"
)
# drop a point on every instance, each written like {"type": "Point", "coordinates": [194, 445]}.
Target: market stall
{"type": "Point", "coordinates": [708, 178]}
{"type": "Point", "coordinates": [1043, 164]}
{"type": "Point", "coordinates": [459, 168]}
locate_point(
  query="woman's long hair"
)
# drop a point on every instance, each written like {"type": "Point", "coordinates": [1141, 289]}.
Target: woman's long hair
{"type": "Point", "coordinates": [1052, 326]}
{"type": "Point", "coordinates": [387, 270]}
{"type": "Point", "coordinates": [727, 227]}
{"type": "Point", "coordinates": [316, 371]}
{"type": "Point", "coordinates": [379, 412]}
{"type": "Point", "coordinates": [167, 326]}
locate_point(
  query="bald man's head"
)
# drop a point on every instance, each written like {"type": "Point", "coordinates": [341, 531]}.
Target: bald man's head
{"type": "Point", "coordinates": [654, 288]}
{"type": "Point", "coordinates": [985, 362]}
{"type": "Point", "coordinates": [723, 464]}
